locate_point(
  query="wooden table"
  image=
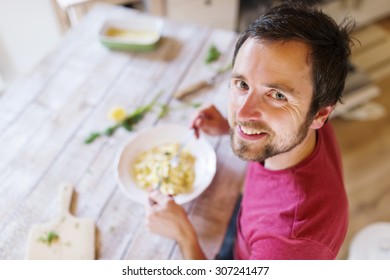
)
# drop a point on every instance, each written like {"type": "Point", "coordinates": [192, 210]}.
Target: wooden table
{"type": "Point", "coordinates": [46, 116]}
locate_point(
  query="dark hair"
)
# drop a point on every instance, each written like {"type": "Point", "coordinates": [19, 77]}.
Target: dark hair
{"type": "Point", "coordinates": [329, 45]}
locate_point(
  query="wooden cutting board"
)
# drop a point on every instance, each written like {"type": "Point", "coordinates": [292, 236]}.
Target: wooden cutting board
{"type": "Point", "coordinates": [65, 238]}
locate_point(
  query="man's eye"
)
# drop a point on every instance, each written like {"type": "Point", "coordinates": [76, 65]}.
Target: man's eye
{"type": "Point", "coordinates": [242, 85]}
{"type": "Point", "coordinates": [279, 96]}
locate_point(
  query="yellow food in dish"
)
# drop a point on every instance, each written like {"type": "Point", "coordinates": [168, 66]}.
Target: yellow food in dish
{"type": "Point", "coordinates": [154, 165]}
{"type": "Point", "coordinates": [131, 34]}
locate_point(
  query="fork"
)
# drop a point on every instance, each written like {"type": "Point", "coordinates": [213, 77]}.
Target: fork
{"type": "Point", "coordinates": [174, 162]}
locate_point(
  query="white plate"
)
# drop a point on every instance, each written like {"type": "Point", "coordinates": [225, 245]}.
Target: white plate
{"type": "Point", "coordinates": [204, 153]}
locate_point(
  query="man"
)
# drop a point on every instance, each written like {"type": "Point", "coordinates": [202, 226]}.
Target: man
{"type": "Point", "coordinates": [289, 69]}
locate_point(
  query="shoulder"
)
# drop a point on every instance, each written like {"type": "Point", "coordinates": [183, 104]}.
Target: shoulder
{"type": "Point", "coordinates": [282, 248]}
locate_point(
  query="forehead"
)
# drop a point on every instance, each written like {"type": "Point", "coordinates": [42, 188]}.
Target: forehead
{"type": "Point", "coordinates": [276, 61]}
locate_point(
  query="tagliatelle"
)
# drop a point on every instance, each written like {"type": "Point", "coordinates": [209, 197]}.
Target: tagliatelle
{"type": "Point", "coordinates": [154, 164]}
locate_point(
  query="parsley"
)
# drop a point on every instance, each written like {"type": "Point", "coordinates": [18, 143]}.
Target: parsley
{"type": "Point", "coordinates": [213, 54]}
{"type": "Point", "coordinates": [128, 123]}
{"type": "Point", "coordinates": [164, 111]}
{"type": "Point", "coordinates": [49, 238]}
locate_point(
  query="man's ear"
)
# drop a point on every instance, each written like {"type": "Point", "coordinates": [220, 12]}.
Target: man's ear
{"type": "Point", "coordinates": [321, 117]}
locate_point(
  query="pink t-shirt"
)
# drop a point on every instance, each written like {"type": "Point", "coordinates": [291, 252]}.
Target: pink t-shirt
{"type": "Point", "coordinates": [296, 213]}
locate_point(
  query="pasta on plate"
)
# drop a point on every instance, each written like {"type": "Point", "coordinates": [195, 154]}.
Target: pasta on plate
{"type": "Point", "coordinates": [154, 164]}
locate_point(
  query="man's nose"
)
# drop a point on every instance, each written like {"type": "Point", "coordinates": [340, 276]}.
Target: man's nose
{"type": "Point", "coordinates": [251, 107]}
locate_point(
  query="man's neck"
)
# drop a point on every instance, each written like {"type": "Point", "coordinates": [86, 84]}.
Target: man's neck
{"type": "Point", "coordinates": [295, 156]}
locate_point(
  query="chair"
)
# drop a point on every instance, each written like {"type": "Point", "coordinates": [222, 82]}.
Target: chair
{"type": "Point", "coordinates": [371, 243]}
{"type": "Point", "coordinates": [70, 12]}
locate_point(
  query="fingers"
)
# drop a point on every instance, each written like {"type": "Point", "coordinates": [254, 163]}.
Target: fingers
{"type": "Point", "coordinates": [165, 217]}
{"type": "Point", "coordinates": [156, 198]}
{"type": "Point", "coordinates": [159, 197]}
{"type": "Point", "coordinates": [196, 124]}
{"type": "Point", "coordinates": [202, 117]}
{"type": "Point", "coordinates": [160, 210]}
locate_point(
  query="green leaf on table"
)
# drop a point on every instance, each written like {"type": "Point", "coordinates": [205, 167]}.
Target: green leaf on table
{"type": "Point", "coordinates": [92, 137]}
{"type": "Point", "coordinates": [49, 238]}
{"type": "Point", "coordinates": [213, 54]}
{"type": "Point", "coordinates": [196, 104]}
{"type": "Point", "coordinates": [164, 110]}
{"type": "Point", "coordinates": [128, 123]}
{"type": "Point", "coordinates": [111, 130]}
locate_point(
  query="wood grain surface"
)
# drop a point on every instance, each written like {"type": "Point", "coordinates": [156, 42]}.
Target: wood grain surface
{"type": "Point", "coordinates": [46, 116]}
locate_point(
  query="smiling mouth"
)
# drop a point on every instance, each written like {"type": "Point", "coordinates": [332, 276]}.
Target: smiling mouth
{"type": "Point", "coordinates": [251, 131]}
{"type": "Point", "coordinates": [250, 134]}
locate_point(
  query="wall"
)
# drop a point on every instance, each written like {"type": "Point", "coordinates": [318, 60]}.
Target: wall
{"type": "Point", "coordinates": [362, 11]}
{"type": "Point", "coordinates": [28, 31]}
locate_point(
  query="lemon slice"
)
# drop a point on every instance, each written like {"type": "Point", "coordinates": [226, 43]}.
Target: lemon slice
{"type": "Point", "coordinates": [117, 114]}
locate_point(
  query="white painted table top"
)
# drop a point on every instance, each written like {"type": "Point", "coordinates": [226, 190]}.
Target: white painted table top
{"type": "Point", "coordinates": [45, 117]}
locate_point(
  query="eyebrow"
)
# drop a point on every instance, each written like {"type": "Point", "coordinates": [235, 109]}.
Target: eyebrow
{"type": "Point", "coordinates": [282, 87]}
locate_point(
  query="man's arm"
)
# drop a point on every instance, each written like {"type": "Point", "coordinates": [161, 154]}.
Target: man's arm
{"type": "Point", "coordinates": [167, 218]}
{"type": "Point", "coordinates": [164, 215]}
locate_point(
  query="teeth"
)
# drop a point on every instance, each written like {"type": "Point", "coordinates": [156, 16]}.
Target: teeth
{"type": "Point", "coordinates": [250, 131]}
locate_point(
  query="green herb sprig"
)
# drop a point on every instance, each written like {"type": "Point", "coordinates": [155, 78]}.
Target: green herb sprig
{"type": "Point", "coordinates": [128, 123]}
{"type": "Point", "coordinates": [213, 54]}
{"type": "Point", "coordinates": [49, 238]}
{"type": "Point", "coordinates": [166, 108]}
{"type": "Point", "coordinates": [164, 111]}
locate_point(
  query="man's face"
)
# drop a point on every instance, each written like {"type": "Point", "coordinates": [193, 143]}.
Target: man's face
{"type": "Point", "coordinates": [270, 95]}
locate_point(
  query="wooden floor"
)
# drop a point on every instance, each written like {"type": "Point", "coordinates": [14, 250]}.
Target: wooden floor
{"type": "Point", "coordinates": [365, 147]}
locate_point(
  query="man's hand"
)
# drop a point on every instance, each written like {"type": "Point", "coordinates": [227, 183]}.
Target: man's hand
{"type": "Point", "coordinates": [209, 120]}
{"type": "Point", "coordinates": [165, 217]}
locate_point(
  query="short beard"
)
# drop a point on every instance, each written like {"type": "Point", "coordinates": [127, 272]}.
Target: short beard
{"type": "Point", "coordinates": [243, 149]}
